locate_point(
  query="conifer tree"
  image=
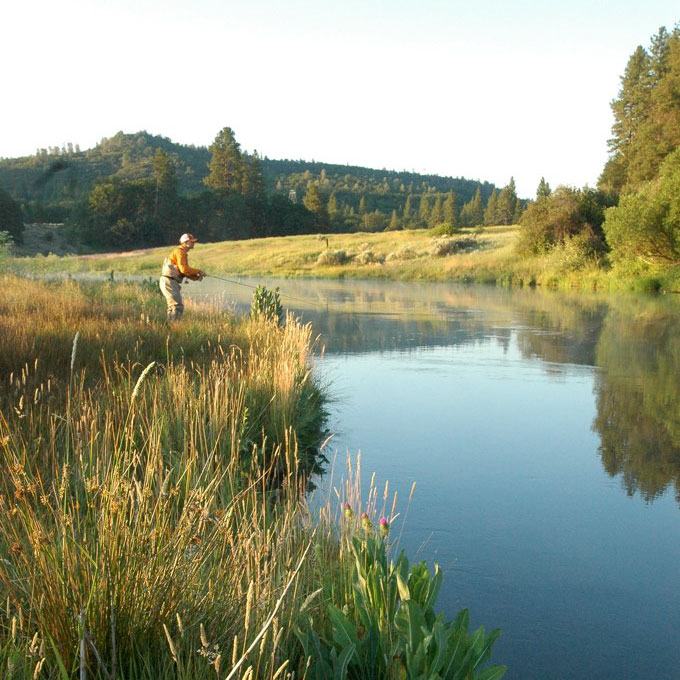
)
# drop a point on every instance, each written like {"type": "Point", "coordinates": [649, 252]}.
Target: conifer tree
{"type": "Point", "coordinates": [490, 216]}
{"type": "Point", "coordinates": [314, 202]}
{"type": "Point", "coordinates": [407, 210]}
{"type": "Point", "coordinates": [252, 180]}
{"type": "Point", "coordinates": [543, 190]}
{"type": "Point", "coordinates": [436, 214]}
{"type": "Point", "coordinates": [505, 209]}
{"type": "Point", "coordinates": [424, 210]}
{"type": "Point", "coordinates": [362, 205]}
{"type": "Point", "coordinates": [333, 210]}
{"type": "Point", "coordinates": [226, 162]}
{"type": "Point", "coordinates": [394, 221]}
{"type": "Point", "coordinates": [449, 216]}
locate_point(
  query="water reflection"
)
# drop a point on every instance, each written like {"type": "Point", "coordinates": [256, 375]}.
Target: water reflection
{"type": "Point", "coordinates": [633, 341]}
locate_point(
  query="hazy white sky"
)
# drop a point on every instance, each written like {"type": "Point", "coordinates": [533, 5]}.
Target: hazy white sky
{"type": "Point", "coordinates": [484, 89]}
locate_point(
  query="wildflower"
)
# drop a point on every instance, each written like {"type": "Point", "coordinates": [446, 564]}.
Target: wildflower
{"type": "Point", "coordinates": [366, 522]}
{"type": "Point", "coordinates": [384, 527]}
{"type": "Point", "coordinates": [348, 511]}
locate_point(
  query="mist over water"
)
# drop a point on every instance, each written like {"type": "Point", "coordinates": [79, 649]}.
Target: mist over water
{"type": "Point", "coordinates": [543, 433]}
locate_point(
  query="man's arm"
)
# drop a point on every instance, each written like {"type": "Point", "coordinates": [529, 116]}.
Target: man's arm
{"type": "Point", "coordinates": [185, 269]}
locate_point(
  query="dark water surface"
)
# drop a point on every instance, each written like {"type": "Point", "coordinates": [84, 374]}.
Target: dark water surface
{"type": "Point", "coordinates": [543, 433]}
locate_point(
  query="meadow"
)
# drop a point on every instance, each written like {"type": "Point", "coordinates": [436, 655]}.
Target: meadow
{"type": "Point", "coordinates": [485, 255]}
{"type": "Point", "coordinates": [154, 516]}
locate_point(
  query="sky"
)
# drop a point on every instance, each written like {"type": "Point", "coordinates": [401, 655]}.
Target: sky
{"type": "Point", "coordinates": [485, 89]}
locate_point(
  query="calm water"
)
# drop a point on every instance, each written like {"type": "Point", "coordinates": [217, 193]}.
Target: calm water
{"type": "Point", "coordinates": [543, 433]}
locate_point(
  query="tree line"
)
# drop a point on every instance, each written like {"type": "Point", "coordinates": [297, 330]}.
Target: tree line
{"type": "Point", "coordinates": [139, 190]}
{"type": "Point", "coordinates": [633, 216]}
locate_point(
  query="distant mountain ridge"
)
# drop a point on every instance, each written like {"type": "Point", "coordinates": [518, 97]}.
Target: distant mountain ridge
{"type": "Point", "coordinates": [60, 177]}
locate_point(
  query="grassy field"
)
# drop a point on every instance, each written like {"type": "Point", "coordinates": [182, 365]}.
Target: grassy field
{"type": "Point", "coordinates": [471, 256]}
{"type": "Point", "coordinates": [153, 506]}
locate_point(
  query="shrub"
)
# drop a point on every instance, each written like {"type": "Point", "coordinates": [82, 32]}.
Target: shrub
{"type": "Point", "coordinates": [445, 245]}
{"type": "Point", "coordinates": [404, 253]}
{"type": "Point", "coordinates": [266, 304]}
{"type": "Point", "coordinates": [331, 257]}
{"type": "Point", "coordinates": [369, 257]}
{"type": "Point", "coordinates": [577, 252]}
{"type": "Point", "coordinates": [646, 224]}
{"type": "Point", "coordinates": [551, 220]}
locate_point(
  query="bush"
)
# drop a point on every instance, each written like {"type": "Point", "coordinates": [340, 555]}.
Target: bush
{"type": "Point", "coordinates": [646, 224]}
{"type": "Point", "coordinates": [577, 252]}
{"type": "Point", "coordinates": [404, 253]}
{"type": "Point", "coordinates": [369, 257]}
{"type": "Point", "coordinates": [331, 257]}
{"type": "Point", "coordinates": [552, 220]}
{"type": "Point", "coordinates": [444, 245]}
{"type": "Point", "coordinates": [267, 304]}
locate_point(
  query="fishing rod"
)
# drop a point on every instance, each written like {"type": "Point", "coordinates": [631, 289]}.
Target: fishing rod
{"type": "Point", "coordinates": [239, 283]}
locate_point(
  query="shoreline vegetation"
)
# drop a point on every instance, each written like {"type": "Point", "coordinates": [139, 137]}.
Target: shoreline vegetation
{"type": "Point", "coordinates": [486, 255]}
{"type": "Point", "coordinates": [153, 506]}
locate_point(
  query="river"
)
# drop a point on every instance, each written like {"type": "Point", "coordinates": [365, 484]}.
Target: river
{"type": "Point", "coordinates": [542, 430]}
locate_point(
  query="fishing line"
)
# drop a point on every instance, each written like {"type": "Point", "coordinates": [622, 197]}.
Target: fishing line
{"type": "Point", "coordinates": [283, 295]}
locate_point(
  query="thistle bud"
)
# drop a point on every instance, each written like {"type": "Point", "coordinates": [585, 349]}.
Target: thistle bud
{"type": "Point", "coordinates": [384, 527]}
{"type": "Point", "coordinates": [366, 522]}
{"type": "Point", "coordinates": [348, 511]}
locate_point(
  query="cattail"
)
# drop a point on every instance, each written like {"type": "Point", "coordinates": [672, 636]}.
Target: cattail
{"type": "Point", "coordinates": [249, 605]}
{"type": "Point", "coordinates": [73, 351]}
{"type": "Point", "coordinates": [38, 668]}
{"type": "Point", "coordinates": [140, 380]}
{"type": "Point", "coordinates": [173, 651]}
{"type": "Point", "coordinates": [234, 651]}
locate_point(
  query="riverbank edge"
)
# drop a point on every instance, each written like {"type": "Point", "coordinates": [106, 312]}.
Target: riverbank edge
{"type": "Point", "coordinates": [485, 257]}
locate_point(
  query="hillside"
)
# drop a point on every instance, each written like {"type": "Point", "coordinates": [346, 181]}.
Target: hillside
{"type": "Point", "coordinates": [54, 179]}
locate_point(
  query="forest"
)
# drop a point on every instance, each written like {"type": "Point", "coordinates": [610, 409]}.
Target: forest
{"type": "Point", "coordinates": [141, 189]}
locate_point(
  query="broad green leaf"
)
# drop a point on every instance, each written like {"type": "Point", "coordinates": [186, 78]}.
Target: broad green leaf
{"type": "Point", "coordinates": [344, 633]}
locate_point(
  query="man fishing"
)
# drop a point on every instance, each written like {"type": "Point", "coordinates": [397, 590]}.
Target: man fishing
{"type": "Point", "coordinates": [175, 269]}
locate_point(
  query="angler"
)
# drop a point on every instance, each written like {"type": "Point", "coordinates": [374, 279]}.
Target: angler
{"type": "Point", "coordinates": [175, 269]}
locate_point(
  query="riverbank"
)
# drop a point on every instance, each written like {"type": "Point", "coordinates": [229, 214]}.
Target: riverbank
{"type": "Point", "coordinates": [472, 256]}
{"type": "Point", "coordinates": [154, 520]}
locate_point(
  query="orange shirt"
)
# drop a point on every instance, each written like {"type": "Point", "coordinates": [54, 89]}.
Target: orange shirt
{"type": "Point", "coordinates": [180, 258]}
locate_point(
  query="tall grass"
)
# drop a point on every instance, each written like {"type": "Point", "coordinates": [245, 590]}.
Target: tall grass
{"type": "Point", "coordinates": [153, 521]}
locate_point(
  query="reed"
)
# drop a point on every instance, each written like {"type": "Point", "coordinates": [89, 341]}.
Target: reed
{"type": "Point", "coordinates": [154, 520]}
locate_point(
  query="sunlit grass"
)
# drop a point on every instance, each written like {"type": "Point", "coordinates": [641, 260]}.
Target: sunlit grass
{"type": "Point", "coordinates": [154, 518]}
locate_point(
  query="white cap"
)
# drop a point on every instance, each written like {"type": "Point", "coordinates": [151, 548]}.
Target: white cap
{"type": "Point", "coordinates": [187, 237]}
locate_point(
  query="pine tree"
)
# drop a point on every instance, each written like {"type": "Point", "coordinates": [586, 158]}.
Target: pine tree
{"type": "Point", "coordinates": [226, 162]}
{"type": "Point", "coordinates": [407, 211]}
{"type": "Point", "coordinates": [505, 209]}
{"type": "Point", "coordinates": [362, 205]}
{"type": "Point", "coordinates": [490, 216]}
{"type": "Point", "coordinates": [252, 180]}
{"type": "Point", "coordinates": [450, 211]}
{"type": "Point", "coordinates": [543, 190]}
{"type": "Point", "coordinates": [394, 221]}
{"type": "Point", "coordinates": [424, 210]}
{"type": "Point", "coordinates": [436, 214]}
{"type": "Point", "coordinates": [314, 202]}
{"type": "Point", "coordinates": [333, 210]}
